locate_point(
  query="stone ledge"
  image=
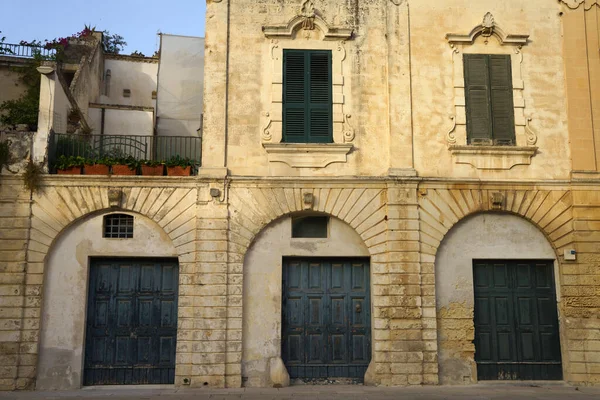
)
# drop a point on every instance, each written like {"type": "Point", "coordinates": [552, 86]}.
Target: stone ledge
{"type": "Point", "coordinates": [493, 157]}
{"type": "Point", "coordinates": [314, 155]}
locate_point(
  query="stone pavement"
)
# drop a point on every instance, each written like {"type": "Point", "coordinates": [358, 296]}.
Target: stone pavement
{"type": "Point", "coordinates": [494, 391]}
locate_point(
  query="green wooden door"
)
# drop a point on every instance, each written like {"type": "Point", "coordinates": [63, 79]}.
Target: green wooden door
{"type": "Point", "coordinates": [131, 327]}
{"type": "Point", "coordinates": [516, 321]}
{"type": "Point", "coordinates": [326, 318]}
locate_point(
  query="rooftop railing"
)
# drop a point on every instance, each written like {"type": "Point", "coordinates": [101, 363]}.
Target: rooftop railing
{"type": "Point", "coordinates": [153, 148]}
{"type": "Point", "coordinates": [24, 50]}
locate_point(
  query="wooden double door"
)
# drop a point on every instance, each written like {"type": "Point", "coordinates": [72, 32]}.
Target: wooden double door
{"type": "Point", "coordinates": [131, 330]}
{"type": "Point", "coordinates": [326, 318]}
{"type": "Point", "coordinates": [516, 321]}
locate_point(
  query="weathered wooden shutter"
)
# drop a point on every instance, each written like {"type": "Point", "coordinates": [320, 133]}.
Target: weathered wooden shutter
{"type": "Point", "coordinates": [307, 103]}
{"type": "Point", "coordinates": [294, 97]}
{"type": "Point", "coordinates": [320, 104]}
{"type": "Point", "coordinates": [477, 94]}
{"type": "Point", "coordinates": [503, 115]}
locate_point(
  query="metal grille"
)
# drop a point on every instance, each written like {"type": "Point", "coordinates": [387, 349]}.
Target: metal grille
{"type": "Point", "coordinates": [118, 226]}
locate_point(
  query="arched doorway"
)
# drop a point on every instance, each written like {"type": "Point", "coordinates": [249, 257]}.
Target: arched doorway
{"type": "Point", "coordinates": [496, 302]}
{"type": "Point", "coordinates": [127, 317]}
{"type": "Point", "coordinates": [306, 302]}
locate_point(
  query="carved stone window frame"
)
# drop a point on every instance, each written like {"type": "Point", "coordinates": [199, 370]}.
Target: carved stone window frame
{"type": "Point", "coordinates": [308, 31]}
{"type": "Point", "coordinates": [489, 38]}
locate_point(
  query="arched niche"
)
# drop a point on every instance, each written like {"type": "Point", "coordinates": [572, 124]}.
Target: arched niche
{"type": "Point", "coordinates": [494, 236]}
{"type": "Point", "coordinates": [262, 288]}
{"type": "Point", "coordinates": [65, 291]}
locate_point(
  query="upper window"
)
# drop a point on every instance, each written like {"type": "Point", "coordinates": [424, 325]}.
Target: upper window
{"type": "Point", "coordinates": [307, 96]}
{"type": "Point", "coordinates": [489, 99]}
{"type": "Point", "coordinates": [118, 226]}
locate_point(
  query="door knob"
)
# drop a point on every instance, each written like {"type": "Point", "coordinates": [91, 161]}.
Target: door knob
{"type": "Point", "coordinates": [358, 308]}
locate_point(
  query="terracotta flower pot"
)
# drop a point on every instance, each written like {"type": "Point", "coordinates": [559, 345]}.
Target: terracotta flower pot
{"type": "Point", "coordinates": [179, 171]}
{"type": "Point", "coordinates": [120, 169]}
{"type": "Point", "coordinates": [69, 171]}
{"type": "Point", "coordinates": [96, 169]}
{"type": "Point", "coordinates": [153, 171]}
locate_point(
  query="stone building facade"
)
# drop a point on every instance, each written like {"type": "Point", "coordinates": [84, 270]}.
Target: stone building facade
{"type": "Point", "coordinates": [418, 212]}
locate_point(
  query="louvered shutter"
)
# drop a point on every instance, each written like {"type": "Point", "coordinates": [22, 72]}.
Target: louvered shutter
{"type": "Point", "coordinates": [477, 94]}
{"type": "Point", "coordinates": [503, 115]}
{"type": "Point", "coordinates": [320, 104]}
{"type": "Point", "coordinates": [307, 102]}
{"type": "Point", "coordinates": [294, 97]}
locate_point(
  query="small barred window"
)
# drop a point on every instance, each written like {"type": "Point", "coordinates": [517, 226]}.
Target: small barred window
{"type": "Point", "coordinates": [118, 226]}
{"type": "Point", "coordinates": [309, 227]}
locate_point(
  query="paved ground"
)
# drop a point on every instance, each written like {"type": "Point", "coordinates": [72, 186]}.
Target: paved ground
{"type": "Point", "coordinates": [479, 392]}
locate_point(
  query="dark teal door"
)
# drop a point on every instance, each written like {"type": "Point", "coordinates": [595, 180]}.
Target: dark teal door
{"type": "Point", "coordinates": [516, 321]}
{"type": "Point", "coordinates": [131, 322]}
{"type": "Point", "coordinates": [326, 318]}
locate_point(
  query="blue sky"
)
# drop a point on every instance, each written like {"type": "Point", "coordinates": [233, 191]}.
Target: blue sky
{"type": "Point", "coordinates": [136, 20]}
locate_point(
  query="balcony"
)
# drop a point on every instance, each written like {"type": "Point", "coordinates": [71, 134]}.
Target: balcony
{"type": "Point", "coordinates": [24, 50]}
{"type": "Point", "coordinates": [114, 149]}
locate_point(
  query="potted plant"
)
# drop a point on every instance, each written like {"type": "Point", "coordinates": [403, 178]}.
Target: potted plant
{"type": "Point", "coordinates": [97, 166]}
{"type": "Point", "coordinates": [125, 166]}
{"type": "Point", "coordinates": [178, 166]}
{"type": "Point", "coordinates": [152, 168]}
{"type": "Point", "coordinates": [69, 165]}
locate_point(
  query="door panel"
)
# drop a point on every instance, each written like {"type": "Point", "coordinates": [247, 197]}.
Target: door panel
{"type": "Point", "coordinates": [516, 321]}
{"type": "Point", "coordinates": [132, 322]}
{"type": "Point", "coordinates": [326, 318]}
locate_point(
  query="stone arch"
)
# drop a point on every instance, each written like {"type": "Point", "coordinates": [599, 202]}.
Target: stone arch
{"type": "Point", "coordinates": [253, 208]}
{"type": "Point", "coordinates": [58, 209]}
{"type": "Point", "coordinates": [263, 273]}
{"type": "Point", "coordinates": [547, 213]}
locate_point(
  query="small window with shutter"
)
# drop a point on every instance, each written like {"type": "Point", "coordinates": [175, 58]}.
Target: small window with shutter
{"type": "Point", "coordinates": [307, 96]}
{"type": "Point", "coordinates": [489, 99]}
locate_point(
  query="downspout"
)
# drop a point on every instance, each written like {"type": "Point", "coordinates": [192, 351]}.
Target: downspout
{"type": "Point", "coordinates": [227, 84]}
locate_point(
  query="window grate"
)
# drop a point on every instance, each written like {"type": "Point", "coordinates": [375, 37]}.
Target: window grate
{"type": "Point", "coordinates": [118, 226]}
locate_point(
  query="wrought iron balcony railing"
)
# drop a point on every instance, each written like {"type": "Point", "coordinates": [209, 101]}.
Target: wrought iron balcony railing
{"type": "Point", "coordinates": [24, 50]}
{"type": "Point", "coordinates": [153, 148]}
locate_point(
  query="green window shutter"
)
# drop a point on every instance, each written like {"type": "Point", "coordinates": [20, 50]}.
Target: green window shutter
{"type": "Point", "coordinates": [503, 114]}
{"type": "Point", "coordinates": [294, 97]}
{"type": "Point", "coordinates": [307, 97]}
{"type": "Point", "coordinates": [320, 104]}
{"type": "Point", "coordinates": [477, 96]}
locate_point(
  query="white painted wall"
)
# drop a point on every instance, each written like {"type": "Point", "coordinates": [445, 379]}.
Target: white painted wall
{"type": "Point", "coordinates": [261, 339]}
{"type": "Point", "coordinates": [65, 292]}
{"type": "Point", "coordinates": [136, 75]}
{"type": "Point", "coordinates": [180, 85]}
{"type": "Point", "coordinates": [122, 122]}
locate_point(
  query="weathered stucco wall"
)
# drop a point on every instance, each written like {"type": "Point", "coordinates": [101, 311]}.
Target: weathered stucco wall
{"type": "Point", "coordinates": [263, 288]}
{"type": "Point", "coordinates": [394, 89]}
{"type": "Point", "coordinates": [482, 236]}
{"type": "Point", "coordinates": [63, 320]}
{"type": "Point", "coordinates": [434, 96]}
